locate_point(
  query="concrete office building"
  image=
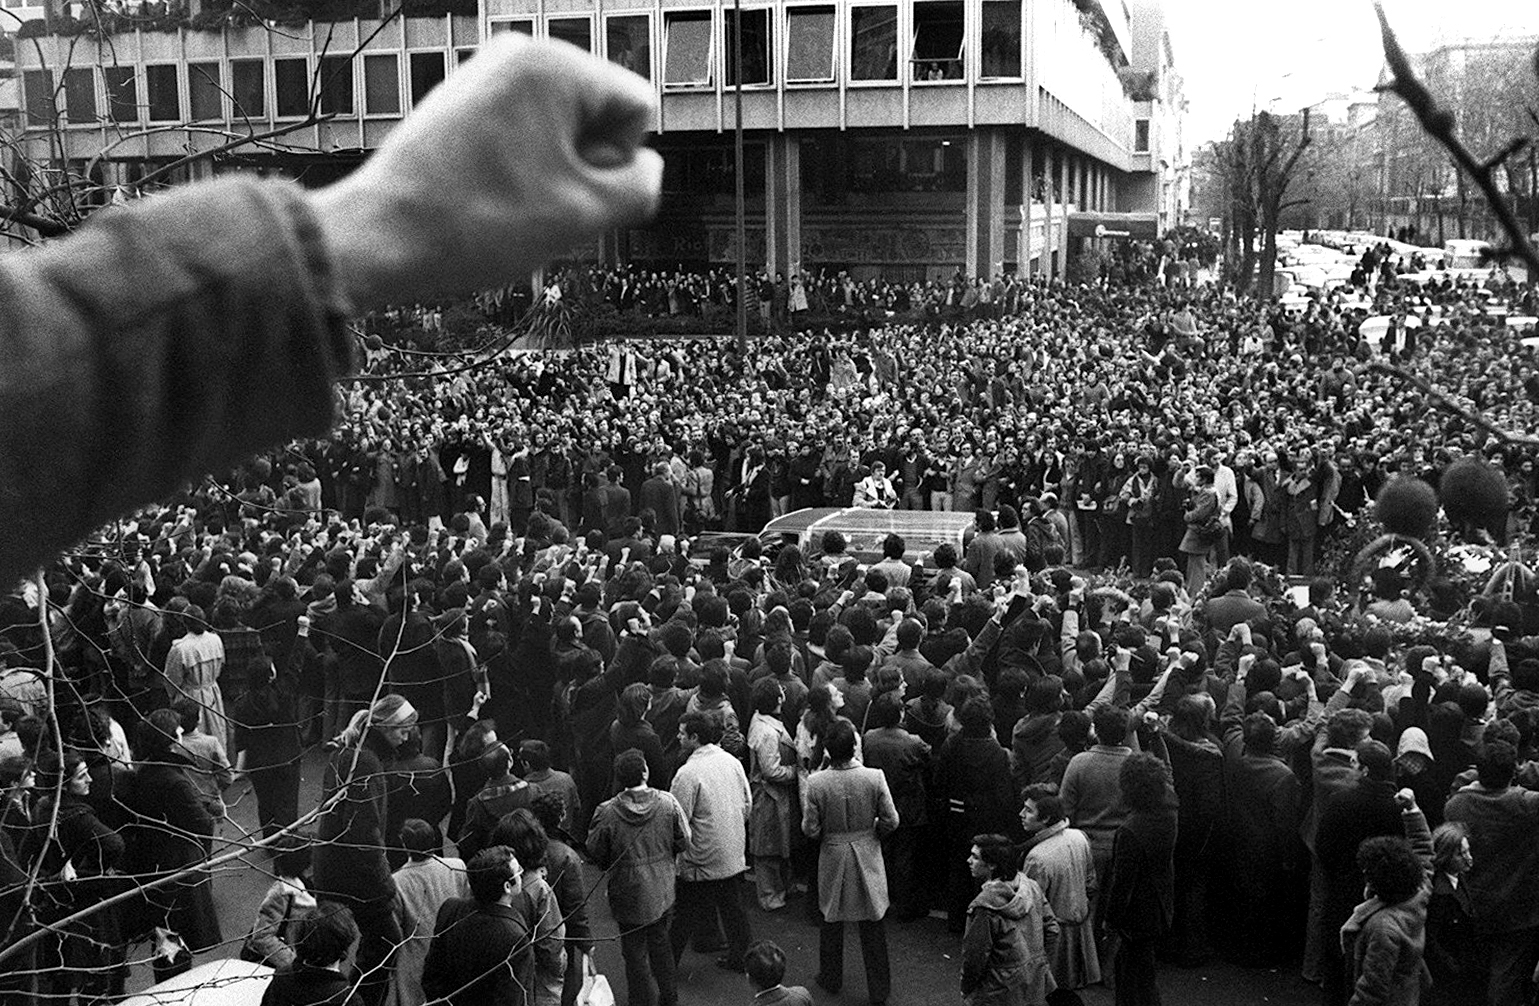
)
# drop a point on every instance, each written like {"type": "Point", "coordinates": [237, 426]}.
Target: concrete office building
{"type": "Point", "coordinates": [910, 138]}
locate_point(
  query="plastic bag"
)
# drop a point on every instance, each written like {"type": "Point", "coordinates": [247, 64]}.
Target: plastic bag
{"type": "Point", "coordinates": [595, 987]}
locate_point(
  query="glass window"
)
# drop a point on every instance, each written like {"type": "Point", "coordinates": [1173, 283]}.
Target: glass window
{"type": "Point", "coordinates": [427, 72]}
{"type": "Point", "coordinates": [122, 96]}
{"type": "Point", "coordinates": [874, 43]}
{"type": "Point", "coordinates": [462, 56]}
{"type": "Point", "coordinates": [1141, 136]}
{"type": "Point", "coordinates": [809, 43]}
{"type": "Point", "coordinates": [292, 77]}
{"type": "Point", "coordinates": [1001, 38]}
{"type": "Point", "coordinates": [203, 94]}
{"type": "Point", "coordinates": [160, 85]}
{"type": "Point", "coordinates": [248, 91]}
{"type": "Point", "coordinates": [337, 85]}
{"type": "Point", "coordinates": [687, 48]}
{"type": "Point", "coordinates": [382, 84]}
{"type": "Point", "coordinates": [937, 41]}
{"type": "Point", "coordinates": [80, 95]}
{"type": "Point", "coordinates": [523, 27]}
{"type": "Point", "coordinates": [40, 98]}
{"type": "Point", "coordinates": [756, 47]}
{"type": "Point", "coordinates": [629, 42]}
{"type": "Point", "coordinates": [576, 30]}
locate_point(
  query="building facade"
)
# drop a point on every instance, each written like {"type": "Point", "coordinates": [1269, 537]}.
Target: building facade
{"type": "Point", "coordinates": [910, 138]}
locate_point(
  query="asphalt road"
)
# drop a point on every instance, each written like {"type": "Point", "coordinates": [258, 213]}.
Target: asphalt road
{"type": "Point", "coordinates": [925, 958]}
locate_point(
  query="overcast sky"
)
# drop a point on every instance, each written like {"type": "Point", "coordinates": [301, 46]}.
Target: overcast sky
{"type": "Point", "coordinates": [1239, 54]}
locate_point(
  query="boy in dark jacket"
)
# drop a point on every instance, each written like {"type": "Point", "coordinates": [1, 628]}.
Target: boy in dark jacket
{"type": "Point", "coordinates": [323, 937]}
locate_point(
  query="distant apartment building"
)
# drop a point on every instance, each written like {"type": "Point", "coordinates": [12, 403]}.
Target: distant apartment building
{"type": "Point", "coordinates": [910, 138]}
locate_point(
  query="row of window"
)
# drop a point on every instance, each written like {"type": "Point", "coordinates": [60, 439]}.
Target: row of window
{"type": "Point", "coordinates": [693, 51]}
{"type": "Point", "coordinates": [285, 88]}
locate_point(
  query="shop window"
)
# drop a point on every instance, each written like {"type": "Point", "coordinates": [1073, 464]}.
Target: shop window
{"type": "Point", "coordinates": [687, 48]}
{"type": "Point", "coordinates": [204, 97]}
{"type": "Point", "coordinates": [292, 78]}
{"type": "Point", "coordinates": [938, 40]}
{"type": "Point", "coordinates": [1001, 44]}
{"type": "Point", "coordinates": [122, 95]}
{"type": "Point", "coordinates": [628, 42]}
{"type": "Point", "coordinates": [427, 72]}
{"type": "Point", "coordinates": [874, 43]}
{"type": "Point", "coordinates": [756, 46]}
{"type": "Point", "coordinates": [809, 43]}
{"type": "Point", "coordinates": [41, 110]}
{"type": "Point", "coordinates": [160, 84]}
{"type": "Point", "coordinates": [337, 85]}
{"type": "Point", "coordinates": [576, 30]}
{"type": "Point", "coordinates": [248, 88]}
{"type": "Point", "coordinates": [382, 85]}
{"type": "Point", "coordinates": [80, 95]}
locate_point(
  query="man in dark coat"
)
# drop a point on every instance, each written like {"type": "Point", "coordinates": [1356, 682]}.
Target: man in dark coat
{"type": "Point", "coordinates": [662, 497]}
{"type": "Point", "coordinates": [617, 501]}
{"type": "Point", "coordinates": [1141, 896]}
{"type": "Point", "coordinates": [482, 952]}
{"type": "Point", "coordinates": [905, 760]}
{"type": "Point", "coordinates": [1347, 818]}
{"type": "Point", "coordinates": [321, 936]}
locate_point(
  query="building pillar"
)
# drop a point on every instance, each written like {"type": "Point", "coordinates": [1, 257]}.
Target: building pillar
{"type": "Point", "coordinates": [1023, 243]}
{"type": "Point", "coordinates": [783, 205]}
{"type": "Point", "coordinates": [1050, 213]}
{"type": "Point", "coordinates": [1062, 259]}
{"type": "Point", "coordinates": [985, 201]}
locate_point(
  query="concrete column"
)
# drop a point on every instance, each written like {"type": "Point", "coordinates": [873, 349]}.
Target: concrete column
{"type": "Point", "coordinates": [783, 205]}
{"type": "Point", "coordinates": [985, 201]}
{"type": "Point", "coordinates": [1050, 214]}
{"type": "Point", "coordinates": [1063, 235]}
{"type": "Point", "coordinates": [1023, 244]}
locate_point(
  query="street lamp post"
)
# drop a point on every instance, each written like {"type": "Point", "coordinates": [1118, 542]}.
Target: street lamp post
{"type": "Point", "coordinates": [737, 153]}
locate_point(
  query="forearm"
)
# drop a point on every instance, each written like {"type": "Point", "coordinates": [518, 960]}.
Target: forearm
{"type": "Point", "coordinates": [168, 327]}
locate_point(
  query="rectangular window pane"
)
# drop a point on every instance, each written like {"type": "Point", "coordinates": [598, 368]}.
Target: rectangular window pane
{"type": "Point", "coordinates": [292, 78]}
{"type": "Point", "coordinates": [810, 43]}
{"type": "Point", "coordinates": [382, 85]}
{"type": "Point", "coordinates": [160, 84]}
{"type": "Point", "coordinates": [630, 43]}
{"type": "Point", "coordinates": [337, 85]}
{"type": "Point", "coordinates": [203, 92]}
{"type": "Point", "coordinates": [462, 56]}
{"type": "Point", "coordinates": [80, 95]}
{"type": "Point", "coordinates": [1141, 135]}
{"type": "Point", "coordinates": [687, 48]}
{"type": "Point", "coordinates": [40, 99]}
{"type": "Point", "coordinates": [522, 27]}
{"type": "Point", "coordinates": [756, 47]}
{"type": "Point", "coordinates": [122, 96]}
{"type": "Point", "coordinates": [576, 30]}
{"type": "Point", "coordinates": [937, 41]}
{"type": "Point", "coordinates": [427, 72]}
{"type": "Point", "coordinates": [1001, 38]}
{"type": "Point", "coordinates": [874, 43]}
{"type": "Point", "coordinates": [247, 88]}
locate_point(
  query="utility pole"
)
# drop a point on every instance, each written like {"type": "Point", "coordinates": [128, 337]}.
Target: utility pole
{"type": "Point", "coordinates": [737, 152]}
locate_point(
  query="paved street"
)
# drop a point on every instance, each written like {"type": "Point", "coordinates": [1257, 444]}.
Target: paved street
{"type": "Point", "coordinates": [925, 958]}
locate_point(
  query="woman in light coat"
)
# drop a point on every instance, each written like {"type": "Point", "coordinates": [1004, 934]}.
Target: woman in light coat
{"type": "Point", "coordinates": [850, 808]}
{"type": "Point", "coordinates": [1011, 931]}
{"type": "Point", "coordinates": [772, 777]}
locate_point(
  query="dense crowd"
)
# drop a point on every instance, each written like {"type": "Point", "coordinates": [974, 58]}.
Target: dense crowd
{"type": "Point", "coordinates": [479, 595]}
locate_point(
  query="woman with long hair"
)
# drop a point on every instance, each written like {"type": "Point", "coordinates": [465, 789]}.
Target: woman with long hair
{"type": "Point", "coordinates": [632, 730]}
{"type": "Point", "coordinates": [266, 721]}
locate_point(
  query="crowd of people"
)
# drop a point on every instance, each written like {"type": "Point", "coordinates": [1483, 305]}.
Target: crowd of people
{"type": "Point", "coordinates": [479, 595]}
